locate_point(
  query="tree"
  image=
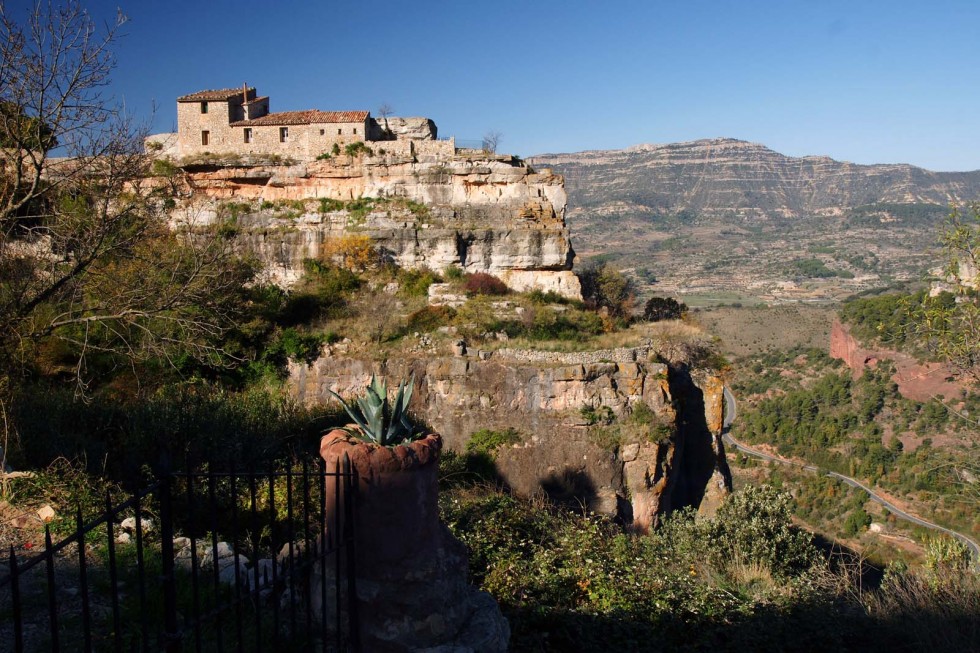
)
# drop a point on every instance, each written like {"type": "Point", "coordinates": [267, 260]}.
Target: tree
{"type": "Point", "coordinates": [949, 323]}
{"type": "Point", "coordinates": [491, 140]}
{"type": "Point", "coordinates": [663, 308]}
{"type": "Point", "coordinates": [384, 112]}
{"type": "Point", "coordinates": [87, 257]}
{"type": "Point", "coordinates": [603, 286]}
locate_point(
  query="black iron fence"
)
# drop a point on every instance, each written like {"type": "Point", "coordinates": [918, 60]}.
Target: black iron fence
{"type": "Point", "coordinates": [197, 561]}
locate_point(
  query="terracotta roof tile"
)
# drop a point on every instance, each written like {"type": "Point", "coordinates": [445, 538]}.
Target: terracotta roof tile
{"type": "Point", "coordinates": [220, 95]}
{"type": "Point", "coordinates": [258, 99]}
{"type": "Point", "coordinates": [312, 116]}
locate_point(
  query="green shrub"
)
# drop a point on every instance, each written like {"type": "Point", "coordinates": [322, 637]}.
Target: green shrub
{"type": "Point", "coordinates": [454, 273]}
{"type": "Point", "coordinates": [754, 525]}
{"type": "Point", "coordinates": [416, 282]}
{"type": "Point", "coordinates": [357, 148]}
{"type": "Point", "coordinates": [429, 318]}
{"type": "Point", "coordinates": [663, 308]}
{"type": "Point", "coordinates": [488, 441]}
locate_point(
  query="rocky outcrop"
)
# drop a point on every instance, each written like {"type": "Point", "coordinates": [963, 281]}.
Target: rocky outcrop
{"type": "Point", "coordinates": [422, 129]}
{"type": "Point", "coordinates": [483, 213]}
{"type": "Point", "coordinates": [560, 453]}
{"type": "Point", "coordinates": [915, 380]}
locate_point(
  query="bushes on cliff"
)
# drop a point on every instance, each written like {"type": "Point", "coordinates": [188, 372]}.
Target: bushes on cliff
{"type": "Point", "coordinates": [568, 581]}
{"type": "Point", "coordinates": [481, 283]}
{"type": "Point", "coordinates": [603, 286]}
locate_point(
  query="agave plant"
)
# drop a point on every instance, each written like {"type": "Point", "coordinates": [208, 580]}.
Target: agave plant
{"type": "Point", "coordinates": [378, 420]}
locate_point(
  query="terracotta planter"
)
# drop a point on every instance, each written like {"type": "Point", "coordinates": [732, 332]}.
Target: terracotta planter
{"type": "Point", "coordinates": [412, 588]}
{"type": "Point", "coordinates": [397, 510]}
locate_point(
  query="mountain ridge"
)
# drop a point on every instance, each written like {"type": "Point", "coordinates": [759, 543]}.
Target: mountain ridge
{"type": "Point", "coordinates": [729, 217]}
{"type": "Point", "coordinates": [719, 140]}
{"type": "Point", "coordinates": [739, 179]}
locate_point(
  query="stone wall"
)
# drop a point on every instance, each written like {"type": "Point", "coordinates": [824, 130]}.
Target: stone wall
{"type": "Point", "coordinates": [221, 138]}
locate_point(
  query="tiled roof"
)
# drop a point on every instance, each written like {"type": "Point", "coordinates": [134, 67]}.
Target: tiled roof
{"type": "Point", "coordinates": [258, 99]}
{"type": "Point", "coordinates": [312, 116]}
{"type": "Point", "coordinates": [221, 95]}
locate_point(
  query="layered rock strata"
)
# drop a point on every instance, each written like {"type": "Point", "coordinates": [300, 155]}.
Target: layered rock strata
{"type": "Point", "coordinates": [484, 213]}
{"type": "Point", "coordinates": [725, 177]}
{"type": "Point", "coordinates": [560, 454]}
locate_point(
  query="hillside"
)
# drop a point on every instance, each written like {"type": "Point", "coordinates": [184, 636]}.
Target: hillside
{"type": "Point", "coordinates": [727, 220]}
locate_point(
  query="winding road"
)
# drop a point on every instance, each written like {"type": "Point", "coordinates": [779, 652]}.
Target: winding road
{"type": "Point", "coordinates": [731, 412]}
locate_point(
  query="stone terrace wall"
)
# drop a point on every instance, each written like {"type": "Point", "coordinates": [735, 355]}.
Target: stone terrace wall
{"type": "Point", "coordinates": [619, 355]}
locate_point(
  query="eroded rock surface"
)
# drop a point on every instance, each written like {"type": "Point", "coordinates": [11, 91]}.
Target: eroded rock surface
{"type": "Point", "coordinates": [486, 213]}
{"type": "Point", "coordinates": [560, 454]}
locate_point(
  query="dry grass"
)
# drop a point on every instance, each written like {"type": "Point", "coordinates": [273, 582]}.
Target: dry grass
{"type": "Point", "coordinates": [748, 331]}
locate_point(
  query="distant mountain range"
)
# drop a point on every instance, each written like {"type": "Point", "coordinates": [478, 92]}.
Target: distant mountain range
{"type": "Point", "coordinates": [725, 220]}
{"type": "Point", "coordinates": [730, 178]}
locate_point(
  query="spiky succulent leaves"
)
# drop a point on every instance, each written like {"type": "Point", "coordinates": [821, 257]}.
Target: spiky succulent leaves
{"type": "Point", "coordinates": [378, 420]}
{"type": "Point", "coordinates": [400, 428]}
{"type": "Point", "coordinates": [373, 407]}
{"type": "Point", "coordinates": [352, 412]}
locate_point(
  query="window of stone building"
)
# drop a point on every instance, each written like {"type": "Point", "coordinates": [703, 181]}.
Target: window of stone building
{"type": "Point", "coordinates": [248, 134]}
{"type": "Point", "coordinates": [204, 107]}
{"type": "Point", "coordinates": [355, 130]}
{"type": "Point", "coordinates": [205, 138]}
{"type": "Point", "coordinates": [338, 132]}
{"type": "Point", "coordinates": [322, 132]}
{"type": "Point", "coordinates": [284, 134]}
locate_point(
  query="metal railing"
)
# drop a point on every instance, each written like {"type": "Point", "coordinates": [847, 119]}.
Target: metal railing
{"type": "Point", "coordinates": [264, 562]}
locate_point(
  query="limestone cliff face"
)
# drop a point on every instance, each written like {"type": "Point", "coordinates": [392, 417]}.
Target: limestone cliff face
{"type": "Point", "coordinates": [540, 396]}
{"type": "Point", "coordinates": [485, 213]}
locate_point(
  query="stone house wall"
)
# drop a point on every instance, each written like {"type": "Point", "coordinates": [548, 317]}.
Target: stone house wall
{"type": "Point", "coordinates": [191, 122]}
{"type": "Point", "coordinates": [303, 141]}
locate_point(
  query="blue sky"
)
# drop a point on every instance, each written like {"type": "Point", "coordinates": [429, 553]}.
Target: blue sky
{"type": "Point", "coordinates": [862, 80]}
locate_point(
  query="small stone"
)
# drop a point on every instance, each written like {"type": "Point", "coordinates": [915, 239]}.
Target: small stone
{"type": "Point", "coordinates": [123, 538]}
{"type": "Point", "coordinates": [129, 525]}
{"type": "Point", "coordinates": [630, 452]}
{"type": "Point", "coordinates": [46, 513]}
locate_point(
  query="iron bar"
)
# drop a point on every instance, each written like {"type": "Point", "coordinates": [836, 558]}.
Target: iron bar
{"type": "Point", "coordinates": [195, 567]}
{"type": "Point", "coordinates": [52, 591]}
{"type": "Point", "coordinates": [113, 573]}
{"type": "Point", "coordinates": [15, 598]}
{"type": "Point", "coordinates": [83, 585]}
{"type": "Point", "coordinates": [141, 578]}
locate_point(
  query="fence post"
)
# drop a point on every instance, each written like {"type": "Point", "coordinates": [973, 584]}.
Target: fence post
{"type": "Point", "coordinates": [171, 636]}
{"type": "Point", "coordinates": [15, 600]}
{"type": "Point", "coordinates": [350, 548]}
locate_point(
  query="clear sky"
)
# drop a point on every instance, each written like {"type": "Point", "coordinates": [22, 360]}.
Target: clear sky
{"type": "Point", "coordinates": [867, 81]}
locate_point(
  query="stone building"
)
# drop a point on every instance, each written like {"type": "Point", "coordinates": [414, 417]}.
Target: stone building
{"type": "Point", "coordinates": [238, 122]}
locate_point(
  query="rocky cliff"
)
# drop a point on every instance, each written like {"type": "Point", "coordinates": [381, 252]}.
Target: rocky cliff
{"type": "Point", "coordinates": [484, 213]}
{"type": "Point", "coordinates": [634, 475]}
{"type": "Point", "coordinates": [915, 380]}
